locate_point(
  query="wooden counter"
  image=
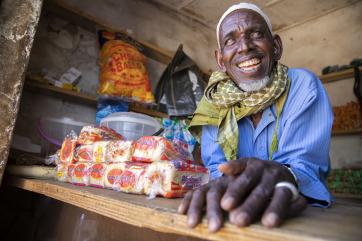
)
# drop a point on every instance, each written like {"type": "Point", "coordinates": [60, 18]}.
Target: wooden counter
{"type": "Point", "coordinates": [341, 222]}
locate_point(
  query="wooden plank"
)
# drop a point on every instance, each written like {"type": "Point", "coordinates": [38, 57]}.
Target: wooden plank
{"type": "Point", "coordinates": [79, 97]}
{"type": "Point", "coordinates": [160, 215]}
{"type": "Point", "coordinates": [347, 132]}
{"type": "Point", "coordinates": [348, 73]}
{"type": "Point", "coordinates": [91, 23]}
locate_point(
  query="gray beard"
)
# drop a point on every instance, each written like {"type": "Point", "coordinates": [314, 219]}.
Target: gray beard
{"type": "Point", "coordinates": [255, 85]}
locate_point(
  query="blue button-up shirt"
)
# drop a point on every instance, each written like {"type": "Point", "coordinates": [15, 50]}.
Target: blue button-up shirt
{"type": "Point", "coordinates": [303, 136]}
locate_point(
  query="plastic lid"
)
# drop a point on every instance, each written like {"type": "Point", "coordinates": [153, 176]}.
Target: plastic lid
{"type": "Point", "coordinates": [64, 120]}
{"type": "Point", "coordinates": [131, 117]}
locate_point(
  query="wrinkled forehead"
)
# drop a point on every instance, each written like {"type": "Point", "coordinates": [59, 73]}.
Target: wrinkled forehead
{"type": "Point", "coordinates": [242, 19]}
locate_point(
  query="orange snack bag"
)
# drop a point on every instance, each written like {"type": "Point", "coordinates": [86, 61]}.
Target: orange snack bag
{"type": "Point", "coordinates": [119, 151]}
{"type": "Point", "coordinates": [132, 178]}
{"type": "Point", "coordinates": [80, 175]}
{"type": "Point", "coordinates": [123, 72]}
{"type": "Point", "coordinates": [91, 134]}
{"type": "Point", "coordinates": [173, 178]}
{"type": "Point", "coordinates": [96, 176]}
{"type": "Point", "coordinates": [67, 150]}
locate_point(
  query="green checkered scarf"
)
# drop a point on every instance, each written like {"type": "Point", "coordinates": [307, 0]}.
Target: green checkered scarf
{"type": "Point", "coordinates": [224, 104]}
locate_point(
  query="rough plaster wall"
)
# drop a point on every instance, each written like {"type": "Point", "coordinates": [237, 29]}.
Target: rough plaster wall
{"type": "Point", "coordinates": [333, 39]}
{"type": "Point", "coordinates": [157, 26]}
{"type": "Point", "coordinates": [18, 22]}
{"type": "Point", "coordinates": [58, 46]}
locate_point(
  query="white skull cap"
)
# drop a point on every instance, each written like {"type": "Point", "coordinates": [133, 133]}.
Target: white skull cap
{"type": "Point", "coordinates": [235, 7]}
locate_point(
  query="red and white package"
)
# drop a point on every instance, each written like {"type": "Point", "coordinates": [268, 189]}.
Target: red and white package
{"type": "Point", "coordinates": [119, 151]}
{"type": "Point", "coordinates": [80, 175]}
{"type": "Point", "coordinates": [113, 173]}
{"type": "Point", "coordinates": [70, 171]}
{"type": "Point", "coordinates": [155, 148]}
{"type": "Point", "coordinates": [132, 178]}
{"type": "Point", "coordinates": [67, 150]}
{"type": "Point", "coordinates": [91, 134]}
{"type": "Point", "coordinates": [84, 153]}
{"type": "Point", "coordinates": [61, 171]}
{"type": "Point", "coordinates": [173, 179]}
{"type": "Point", "coordinates": [100, 151]}
{"type": "Point", "coordinates": [97, 174]}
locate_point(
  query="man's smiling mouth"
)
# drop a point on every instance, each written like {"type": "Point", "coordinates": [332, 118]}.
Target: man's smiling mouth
{"type": "Point", "coordinates": [249, 65]}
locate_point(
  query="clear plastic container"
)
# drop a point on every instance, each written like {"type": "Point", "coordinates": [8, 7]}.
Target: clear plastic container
{"type": "Point", "coordinates": [131, 125]}
{"type": "Point", "coordinates": [53, 130]}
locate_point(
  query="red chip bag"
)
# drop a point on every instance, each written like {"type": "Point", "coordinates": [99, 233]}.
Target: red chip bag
{"type": "Point", "coordinates": [123, 72]}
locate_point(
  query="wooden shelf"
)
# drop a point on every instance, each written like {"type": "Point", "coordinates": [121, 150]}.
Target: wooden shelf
{"type": "Point", "coordinates": [160, 214]}
{"type": "Point", "coordinates": [348, 73]}
{"type": "Point", "coordinates": [32, 85]}
{"type": "Point", "coordinates": [347, 132]}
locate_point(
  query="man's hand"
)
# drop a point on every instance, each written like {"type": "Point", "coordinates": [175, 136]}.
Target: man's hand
{"type": "Point", "coordinates": [247, 192]}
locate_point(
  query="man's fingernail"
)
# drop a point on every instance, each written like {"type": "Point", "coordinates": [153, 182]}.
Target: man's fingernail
{"type": "Point", "coordinates": [191, 221]}
{"type": "Point", "coordinates": [180, 209]}
{"type": "Point", "coordinates": [213, 225]}
{"type": "Point", "coordinates": [242, 219]}
{"type": "Point", "coordinates": [270, 220]}
{"type": "Point", "coordinates": [227, 202]}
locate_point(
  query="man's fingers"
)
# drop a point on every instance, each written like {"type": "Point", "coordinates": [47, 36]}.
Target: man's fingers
{"type": "Point", "coordinates": [233, 167]}
{"type": "Point", "coordinates": [297, 207]}
{"type": "Point", "coordinates": [256, 202]}
{"type": "Point", "coordinates": [185, 203]}
{"type": "Point", "coordinates": [196, 206]}
{"type": "Point", "coordinates": [278, 207]}
{"type": "Point", "coordinates": [240, 187]}
{"type": "Point", "coordinates": [214, 212]}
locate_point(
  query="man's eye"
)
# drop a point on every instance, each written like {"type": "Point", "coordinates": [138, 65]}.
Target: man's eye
{"type": "Point", "coordinates": [229, 42]}
{"type": "Point", "coordinates": [256, 34]}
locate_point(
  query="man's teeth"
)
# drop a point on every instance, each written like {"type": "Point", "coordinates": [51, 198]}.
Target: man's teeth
{"type": "Point", "coordinates": [249, 63]}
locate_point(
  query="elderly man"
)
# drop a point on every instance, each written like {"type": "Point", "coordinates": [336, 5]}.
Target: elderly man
{"type": "Point", "coordinates": [264, 129]}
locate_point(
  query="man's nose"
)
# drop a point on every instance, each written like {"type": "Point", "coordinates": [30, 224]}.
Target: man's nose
{"type": "Point", "coordinates": [244, 45]}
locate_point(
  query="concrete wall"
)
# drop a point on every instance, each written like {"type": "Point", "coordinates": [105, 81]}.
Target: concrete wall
{"type": "Point", "coordinates": [334, 39]}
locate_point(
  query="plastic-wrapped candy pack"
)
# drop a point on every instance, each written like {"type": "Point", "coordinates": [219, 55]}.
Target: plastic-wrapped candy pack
{"type": "Point", "coordinates": [119, 151]}
{"type": "Point", "coordinates": [112, 174]}
{"type": "Point", "coordinates": [97, 174]}
{"type": "Point", "coordinates": [84, 153]}
{"type": "Point", "coordinates": [68, 148]}
{"type": "Point", "coordinates": [80, 175]}
{"type": "Point", "coordinates": [173, 179]}
{"type": "Point", "coordinates": [131, 179]}
{"type": "Point", "coordinates": [91, 134]}
{"type": "Point", "coordinates": [169, 179]}
{"type": "Point", "coordinates": [155, 148]}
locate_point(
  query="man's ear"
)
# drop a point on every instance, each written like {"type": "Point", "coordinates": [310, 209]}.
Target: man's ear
{"type": "Point", "coordinates": [278, 47]}
{"type": "Point", "coordinates": [219, 61]}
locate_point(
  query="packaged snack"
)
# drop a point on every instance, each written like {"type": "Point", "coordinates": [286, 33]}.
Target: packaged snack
{"type": "Point", "coordinates": [97, 174]}
{"type": "Point", "coordinates": [81, 174]}
{"type": "Point", "coordinates": [123, 72]}
{"type": "Point", "coordinates": [113, 173]}
{"type": "Point", "coordinates": [91, 134]}
{"type": "Point", "coordinates": [156, 148]}
{"type": "Point", "coordinates": [99, 151]}
{"type": "Point", "coordinates": [67, 150]}
{"type": "Point", "coordinates": [61, 172]}
{"type": "Point", "coordinates": [84, 153]}
{"type": "Point", "coordinates": [173, 178]}
{"type": "Point", "coordinates": [132, 178]}
{"type": "Point", "coordinates": [119, 151]}
{"type": "Point", "coordinates": [70, 171]}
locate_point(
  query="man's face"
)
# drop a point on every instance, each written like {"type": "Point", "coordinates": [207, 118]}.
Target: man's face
{"type": "Point", "coordinates": [248, 50]}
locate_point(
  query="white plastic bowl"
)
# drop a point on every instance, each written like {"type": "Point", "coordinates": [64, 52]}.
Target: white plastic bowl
{"type": "Point", "coordinates": [131, 125]}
